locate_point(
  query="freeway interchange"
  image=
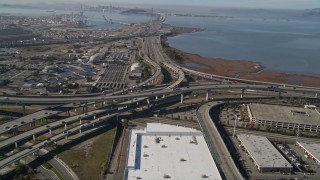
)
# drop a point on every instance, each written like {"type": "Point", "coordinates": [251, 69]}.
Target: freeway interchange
{"type": "Point", "coordinates": [153, 55]}
{"type": "Point", "coordinates": [181, 90]}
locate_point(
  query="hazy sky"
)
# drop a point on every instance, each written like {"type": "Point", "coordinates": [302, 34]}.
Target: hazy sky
{"type": "Point", "coordinates": [283, 4]}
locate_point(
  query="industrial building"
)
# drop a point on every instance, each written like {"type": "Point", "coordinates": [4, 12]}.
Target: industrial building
{"type": "Point", "coordinates": [162, 151]}
{"type": "Point", "coordinates": [312, 150]}
{"type": "Point", "coordinates": [302, 119]}
{"type": "Point", "coordinates": [264, 155]}
{"type": "Point", "coordinates": [136, 70]}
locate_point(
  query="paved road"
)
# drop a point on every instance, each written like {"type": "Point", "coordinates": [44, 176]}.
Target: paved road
{"type": "Point", "coordinates": [59, 100]}
{"type": "Point", "coordinates": [41, 172]}
{"type": "Point", "coordinates": [155, 50]}
{"type": "Point", "coordinates": [5, 127]}
{"type": "Point", "coordinates": [215, 143]}
{"type": "Point", "coordinates": [56, 124]}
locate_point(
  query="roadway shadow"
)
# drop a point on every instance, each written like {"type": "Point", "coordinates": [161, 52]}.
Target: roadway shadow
{"type": "Point", "coordinates": [10, 113]}
{"type": "Point", "coordinates": [166, 76]}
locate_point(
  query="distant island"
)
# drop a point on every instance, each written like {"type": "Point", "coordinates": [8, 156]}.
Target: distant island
{"type": "Point", "coordinates": [135, 11]}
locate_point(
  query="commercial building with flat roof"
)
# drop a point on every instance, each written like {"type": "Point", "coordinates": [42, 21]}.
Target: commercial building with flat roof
{"type": "Point", "coordinates": [311, 149]}
{"type": "Point", "coordinates": [302, 119]}
{"type": "Point", "coordinates": [265, 156]}
{"type": "Point", "coordinates": [162, 151]}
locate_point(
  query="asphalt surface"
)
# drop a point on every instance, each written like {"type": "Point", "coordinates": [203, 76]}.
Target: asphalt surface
{"type": "Point", "coordinates": [59, 100]}
{"type": "Point", "coordinates": [56, 124]}
{"type": "Point", "coordinates": [215, 143]}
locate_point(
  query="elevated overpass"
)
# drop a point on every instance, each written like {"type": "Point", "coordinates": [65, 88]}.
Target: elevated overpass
{"type": "Point", "coordinates": [182, 90]}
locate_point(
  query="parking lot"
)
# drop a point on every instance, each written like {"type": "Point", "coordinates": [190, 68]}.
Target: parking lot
{"type": "Point", "coordinates": [113, 77]}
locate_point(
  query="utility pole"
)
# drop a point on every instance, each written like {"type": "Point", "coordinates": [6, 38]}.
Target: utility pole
{"type": "Point", "coordinates": [234, 127]}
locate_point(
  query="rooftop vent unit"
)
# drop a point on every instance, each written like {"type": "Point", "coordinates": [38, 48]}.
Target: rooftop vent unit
{"type": "Point", "coordinates": [182, 160]}
{"type": "Point", "coordinates": [166, 176]}
{"type": "Point", "coordinates": [164, 146]}
{"type": "Point", "coordinates": [204, 176]}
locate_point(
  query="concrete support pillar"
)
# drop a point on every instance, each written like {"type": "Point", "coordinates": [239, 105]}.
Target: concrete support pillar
{"type": "Point", "coordinates": [103, 103]}
{"type": "Point", "coordinates": [156, 97]}
{"type": "Point", "coordinates": [69, 113]}
{"type": "Point", "coordinates": [94, 116]}
{"type": "Point", "coordinates": [80, 130]}
{"type": "Point", "coordinates": [83, 109]}
{"type": "Point", "coordinates": [137, 103]}
{"type": "Point", "coordinates": [94, 105]}
{"type": "Point", "coordinates": [66, 137]}
{"type": "Point", "coordinates": [164, 96]}
{"type": "Point", "coordinates": [316, 96]}
{"type": "Point", "coordinates": [242, 93]}
{"type": "Point", "coordinates": [16, 144]}
{"type": "Point", "coordinates": [23, 109]}
{"type": "Point", "coordinates": [86, 107]}
{"type": "Point", "coordinates": [93, 124]}
{"type": "Point", "coordinates": [279, 94]}
{"type": "Point", "coordinates": [75, 110]}
{"type": "Point", "coordinates": [50, 131]}
{"type": "Point", "coordinates": [207, 96]}
{"type": "Point", "coordinates": [80, 121]}
{"type": "Point", "coordinates": [34, 137]}
{"type": "Point", "coordinates": [148, 101]}
{"type": "Point", "coordinates": [181, 99]}
{"type": "Point", "coordinates": [65, 126]}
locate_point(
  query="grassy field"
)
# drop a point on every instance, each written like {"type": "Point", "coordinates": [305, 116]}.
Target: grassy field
{"type": "Point", "coordinates": [87, 160]}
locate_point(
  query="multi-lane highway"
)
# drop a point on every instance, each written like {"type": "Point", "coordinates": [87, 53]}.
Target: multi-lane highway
{"type": "Point", "coordinates": [70, 99]}
{"type": "Point", "coordinates": [47, 128]}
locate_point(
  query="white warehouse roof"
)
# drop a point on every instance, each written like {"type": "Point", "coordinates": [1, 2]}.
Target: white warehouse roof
{"type": "Point", "coordinates": [166, 151]}
{"type": "Point", "coordinates": [263, 152]}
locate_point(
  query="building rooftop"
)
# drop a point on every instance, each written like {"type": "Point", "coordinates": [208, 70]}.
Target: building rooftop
{"type": "Point", "coordinates": [285, 114]}
{"type": "Point", "coordinates": [262, 151]}
{"type": "Point", "coordinates": [163, 151]}
{"type": "Point", "coordinates": [313, 149]}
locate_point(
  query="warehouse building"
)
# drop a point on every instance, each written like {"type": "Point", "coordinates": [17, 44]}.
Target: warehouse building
{"type": "Point", "coordinates": [312, 150]}
{"type": "Point", "coordinates": [264, 155]}
{"type": "Point", "coordinates": [302, 119]}
{"type": "Point", "coordinates": [162, 151]}
{"type": "Point", "coordinates": [136, 70]}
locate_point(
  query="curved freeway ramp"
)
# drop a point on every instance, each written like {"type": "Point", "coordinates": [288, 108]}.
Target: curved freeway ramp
{"type": "Point", "coordinates": [215, 143]}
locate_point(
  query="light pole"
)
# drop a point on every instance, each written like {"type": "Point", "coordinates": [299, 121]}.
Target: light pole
{"type": "Point", "coordinates": [234, 126]}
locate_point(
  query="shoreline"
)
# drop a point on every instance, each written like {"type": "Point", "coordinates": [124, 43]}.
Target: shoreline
{"type": "Point", "coordinates": [244, 69]}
